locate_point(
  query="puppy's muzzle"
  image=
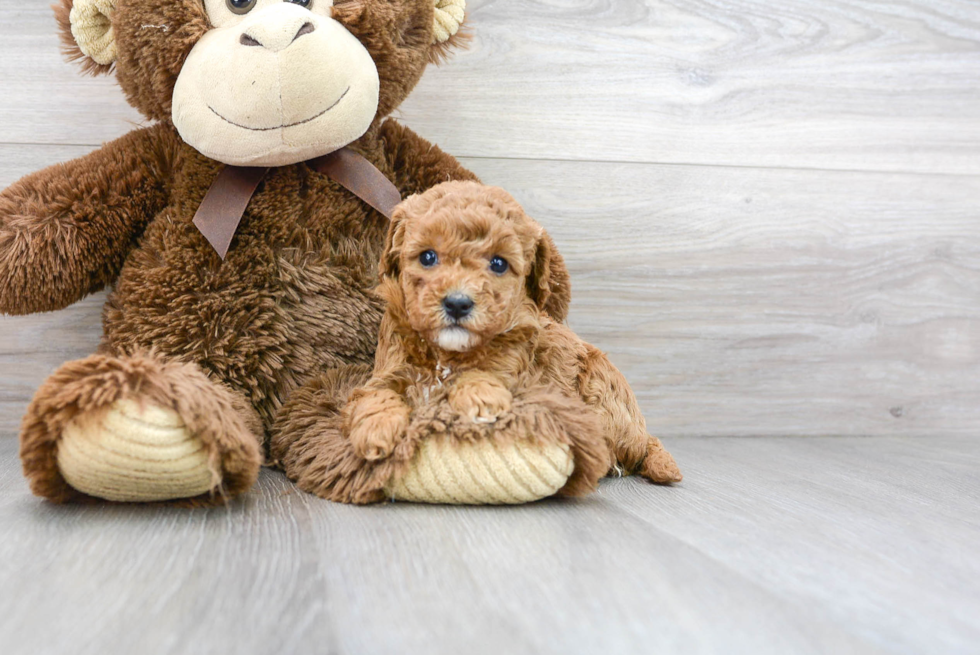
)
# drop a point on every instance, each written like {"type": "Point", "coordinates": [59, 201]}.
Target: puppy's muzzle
{"type": "Point", "coordinates": [457, 306]}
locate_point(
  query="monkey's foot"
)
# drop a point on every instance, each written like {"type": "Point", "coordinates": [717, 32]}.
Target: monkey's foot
{"type": "Point", "coordinates": [134, 452]}
{"type": "Point", "coordinates": [138, 429]}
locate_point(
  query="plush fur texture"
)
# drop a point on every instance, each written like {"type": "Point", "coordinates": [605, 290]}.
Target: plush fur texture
{"type": "Point", "coordinates": [228, 427]}
{"type": "Point", "coordinates": [518, 374]}
{"type": "Point", "coordinates": [240, 336]}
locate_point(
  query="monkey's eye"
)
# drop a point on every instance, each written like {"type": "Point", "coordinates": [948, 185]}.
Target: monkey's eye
{"type": "Point", "coordinates": [429, 258]}
{"type": "Point", "coordinates": [498, 265]}
{"type": "Point", "coordinates": [240, 6]}
{"type": "Point", "coordinates": [301, 3]}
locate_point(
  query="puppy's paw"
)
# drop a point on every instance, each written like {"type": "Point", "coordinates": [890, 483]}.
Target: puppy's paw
{"type": "Point", "coordinates": [481, 397]}
{"type": "Point", "coordinates": [375, 423]}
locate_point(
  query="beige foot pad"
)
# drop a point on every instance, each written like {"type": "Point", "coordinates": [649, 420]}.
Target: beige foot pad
{"type": "Point", "coordinates": [134, 452]}
{"type": "Point", "coordinates": [483, 473]}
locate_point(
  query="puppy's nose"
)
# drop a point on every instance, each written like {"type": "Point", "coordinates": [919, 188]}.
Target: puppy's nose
{"type": "Point", "coordinates": [457, 305]}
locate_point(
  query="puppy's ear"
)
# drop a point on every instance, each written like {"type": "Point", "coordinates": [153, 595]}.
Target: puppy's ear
{"type": "Point", "coordinates": [548, 283]}
{"type": "Point", "coordinates": [392, 252]}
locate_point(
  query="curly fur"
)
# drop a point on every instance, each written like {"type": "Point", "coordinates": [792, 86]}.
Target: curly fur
{"type": "Point", "coordinates": [316, 453]}
{"type": "Point", "coordinates": [523, 375]}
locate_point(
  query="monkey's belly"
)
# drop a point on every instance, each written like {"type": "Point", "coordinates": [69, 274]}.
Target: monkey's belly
{"type": "Point", "coordinates": [263, 327]}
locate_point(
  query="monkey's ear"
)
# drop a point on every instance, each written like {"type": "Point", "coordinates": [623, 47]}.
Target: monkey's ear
{"type": "Point", "coordinates": [86, 33]}
{"type": "Point", "coordinates": [448, 31]}
{"type": "Point", "coordinates": [548, 283]}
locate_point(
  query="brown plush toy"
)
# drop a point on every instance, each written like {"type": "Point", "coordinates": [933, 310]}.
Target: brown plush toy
{"type": "Point", "coordinates": [477, 395]}
{"type": "Point", "coordinates": [217, 331]}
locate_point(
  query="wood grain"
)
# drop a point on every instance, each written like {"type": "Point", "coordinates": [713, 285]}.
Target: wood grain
{"type": "Point", "coordinates": [847, 545]}
{"type": "Point", "coordinates": [855, 84]}
{"type": "Point", "coordinates": [849, 84]}
{"type": "Point", "coordinates": [736, 301]}
{"type": "Point", "coordinates": [672, 148]}
{"type": "Point", "coordinates": [753, 301]}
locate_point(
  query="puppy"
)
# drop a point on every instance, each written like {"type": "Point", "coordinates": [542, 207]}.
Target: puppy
{"type": "Point", "coordinates": [469, 281]}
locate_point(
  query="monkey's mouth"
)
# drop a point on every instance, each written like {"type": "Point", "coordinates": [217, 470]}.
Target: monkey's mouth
{"type": "Point", "coordinates": [280, 127]}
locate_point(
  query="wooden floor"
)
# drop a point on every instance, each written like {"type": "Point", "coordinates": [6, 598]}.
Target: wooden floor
{"type": "Point", "coordinates": [771, 213]}
{"type": "Point", "coordinates": [814, 545]}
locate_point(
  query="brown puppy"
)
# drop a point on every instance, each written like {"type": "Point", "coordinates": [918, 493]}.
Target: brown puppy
{"type": "Point", "coordinates": [466, 274]}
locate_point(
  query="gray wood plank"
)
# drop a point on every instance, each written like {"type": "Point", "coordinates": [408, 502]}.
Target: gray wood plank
{"type": "Point", "coordinates": [849, 84]}
{"type": "Point", "coordinates": [756, 301]}
{"type": "Point", "coordinates": [820, 521]}
{"type": "Point", "coordinates": [44, 99]}
{"type": "Point", "coordinates": [32, 347]}
{"type": "Point", "coordinates": [769, 546]}
{"type": "Point", "coordinates": [853, 84]}
{"type": "Point", "coordinates": [737, 301]}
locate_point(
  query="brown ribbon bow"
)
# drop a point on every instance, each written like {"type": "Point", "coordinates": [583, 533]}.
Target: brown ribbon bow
{"type": "Point", "coordinates": [224, 204]}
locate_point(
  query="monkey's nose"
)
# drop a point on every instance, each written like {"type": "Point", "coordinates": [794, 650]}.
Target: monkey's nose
{"type": "Point", "coordinates": [275, 38]}
{"type": "Point", "coordinates": [457, 305]}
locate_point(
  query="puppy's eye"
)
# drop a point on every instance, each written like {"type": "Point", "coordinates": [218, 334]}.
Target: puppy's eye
{"type": "Point", "coordinates": [429, 258]}
{"type": "Point", "coordinates": [301, 3]}
{"type": "Point", "coordinates": [498, 265]}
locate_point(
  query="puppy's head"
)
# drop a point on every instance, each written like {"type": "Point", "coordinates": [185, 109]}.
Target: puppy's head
{"type": "Point", "coordinates": [463, 263]}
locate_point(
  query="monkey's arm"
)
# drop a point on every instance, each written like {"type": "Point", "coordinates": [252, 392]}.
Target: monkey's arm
{"type": "Point", "coordinates": [66, 230]}
{"type": "Point", "coordinates": [417, 164]}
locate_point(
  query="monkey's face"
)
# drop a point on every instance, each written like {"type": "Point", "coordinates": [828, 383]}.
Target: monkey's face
{"type": "Point", "coordinates": [262, 82]}
{"type": "Point", "coordinates": [274, 83]}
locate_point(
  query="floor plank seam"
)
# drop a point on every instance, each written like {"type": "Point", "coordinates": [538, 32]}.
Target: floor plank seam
{"type": "Point", "coordinates": [616, 162]}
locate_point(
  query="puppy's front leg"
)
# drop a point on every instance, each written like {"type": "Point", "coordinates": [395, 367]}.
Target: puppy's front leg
{"type": "Point", "coordinates": [375, 420]}
{"type": "Point", "coordinates": [480, 396]}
